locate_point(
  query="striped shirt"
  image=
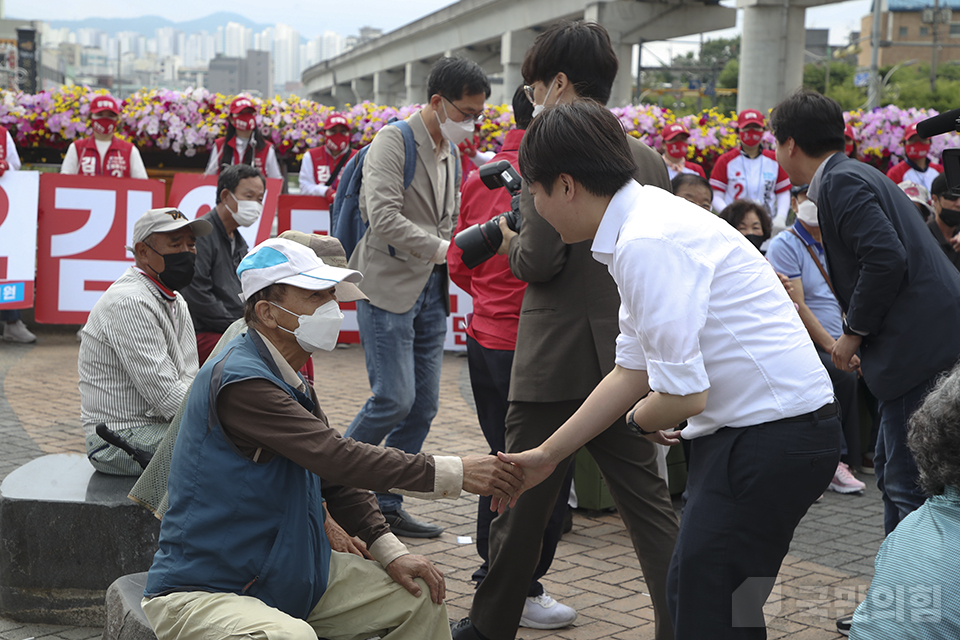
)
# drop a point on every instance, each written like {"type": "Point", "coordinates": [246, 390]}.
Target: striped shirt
{"type": "Point", "coordinates": [138, 356]}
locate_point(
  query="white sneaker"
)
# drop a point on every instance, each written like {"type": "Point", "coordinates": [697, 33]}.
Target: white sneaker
{"type": "Point", "coordinates": [543, 612]}
{"type": "Point", "coordinates": [18, 332]}
{"type": "Point", "coordinates": [844, 482]}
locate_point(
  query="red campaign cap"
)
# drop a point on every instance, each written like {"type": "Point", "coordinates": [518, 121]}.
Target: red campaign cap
{"type": "Point", "coordinates": [909, 132]}
{"type": "Point", "coordinates": [335, 120]}
{"type": "Point", "coordinates": [671, 131]}
{"type": "Point", "coordinates": [750, 116]}
{"type": "Point", "coordinates": [104, 103]}
{"type": "Point", "coordinates": [848, 132]}
{"type": "Point", "coordinates": [241, 103]}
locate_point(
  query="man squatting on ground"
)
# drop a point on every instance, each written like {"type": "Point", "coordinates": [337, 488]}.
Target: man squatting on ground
{"type": "Point", "coordinates": [242, 549]}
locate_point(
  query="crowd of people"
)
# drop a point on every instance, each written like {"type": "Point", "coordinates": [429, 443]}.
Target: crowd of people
{"type": "Point", "coordinates": [640, 305]}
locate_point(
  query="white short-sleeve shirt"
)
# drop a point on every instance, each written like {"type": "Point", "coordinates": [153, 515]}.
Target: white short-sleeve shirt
{"type": "Point", "coordinates": [702, 310]}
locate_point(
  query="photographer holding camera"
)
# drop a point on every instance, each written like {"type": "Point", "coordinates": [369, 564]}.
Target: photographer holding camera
{"type": "Point", "coordinates": [491, 339]}
{"type": "Point", "coordinates": [566, 343]}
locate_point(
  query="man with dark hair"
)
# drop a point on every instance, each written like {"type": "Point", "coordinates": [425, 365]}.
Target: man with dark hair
{"type": "Point", "coordinates": [404, 254]}
{"type": "Point", "coordinates": [759, 406]}
{"type": "Point", "coordinates": [946, 218]}
{"type": "Point", "coordinates": [214, 293]}
{"type": "Point", "coordinates": [565, 345]}
{"type": "Point", "coordinates": [694, 188]}
{"type": "Point", "coordinates": [491, 340]}
{"type": "Point", "coordinates": [887, 272]}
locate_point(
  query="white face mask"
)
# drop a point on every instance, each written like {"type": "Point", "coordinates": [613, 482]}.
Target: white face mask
{"type": "Point", "coordinates": [318, 331]}
{"type": "Point", "coordinates": [248, 211]}
{"type": "Point", "coordinates": [807, 213]}
{"type": "Point", "coordinates": [538, 108]}
{"type": "Point", "coordinates": [455, 132]}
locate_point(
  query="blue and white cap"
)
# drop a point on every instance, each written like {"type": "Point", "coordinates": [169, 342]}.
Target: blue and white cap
{"type": "Point", "coordinates": [280, 261]}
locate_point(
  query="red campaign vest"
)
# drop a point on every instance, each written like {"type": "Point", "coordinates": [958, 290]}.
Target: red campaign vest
{"type": "Point", "coordinates": [116, 161]}
{"type": "Point", "coordinates": [259, 160]}
{"type": "Point", "coordinates": [3, 143]}
{"type": "Point", "coordinates": [324, 164]}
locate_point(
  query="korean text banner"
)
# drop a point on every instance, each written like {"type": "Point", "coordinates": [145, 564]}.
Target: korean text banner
{"type": "Point", "coordinates": [18, 238]}
{"type": "Point", "coordinates": [83, 226]}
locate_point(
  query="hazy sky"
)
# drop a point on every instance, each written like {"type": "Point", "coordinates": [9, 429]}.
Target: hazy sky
{"type": "Point", "coordinates": [312, 18]}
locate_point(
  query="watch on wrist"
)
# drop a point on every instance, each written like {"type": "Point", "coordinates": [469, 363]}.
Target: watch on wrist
{"type": "Point", "coordinates": [633, 425]}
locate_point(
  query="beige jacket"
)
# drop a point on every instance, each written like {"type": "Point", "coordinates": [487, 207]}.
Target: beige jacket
{"type": "Point", "coordinates": [406, 227]}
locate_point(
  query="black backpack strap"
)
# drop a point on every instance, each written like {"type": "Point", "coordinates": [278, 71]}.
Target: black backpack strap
{"type": "Point", "coordinates": [336, 169]}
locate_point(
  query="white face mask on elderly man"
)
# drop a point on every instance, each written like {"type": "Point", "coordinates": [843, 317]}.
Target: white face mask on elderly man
{"type": "Point", "coordinates": [807, 212]}
{"type": "Point", "coordinates": [247, 212]}
{"type": "Point", "coordinates": [318, 331]}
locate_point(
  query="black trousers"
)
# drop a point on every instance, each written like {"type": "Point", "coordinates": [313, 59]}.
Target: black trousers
{"type": "Point", "coordinates": [490, 380]}
{"type": "Point", "coordinates": [629, 466]}
{"type": "Point", "coordinates": [748, 489]}
{"type": "Point", "coordinates": [845, 385]}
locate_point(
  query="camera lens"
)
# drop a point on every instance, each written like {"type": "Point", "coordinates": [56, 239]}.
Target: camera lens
{"type": "Point", "coordinates": [479, 242]}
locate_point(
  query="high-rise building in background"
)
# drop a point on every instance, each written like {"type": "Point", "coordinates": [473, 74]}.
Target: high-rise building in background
{"type": "Point", "coordinates": [125, 61]}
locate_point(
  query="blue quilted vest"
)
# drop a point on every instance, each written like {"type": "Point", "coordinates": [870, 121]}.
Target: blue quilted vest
{"type": "Point", "coordinates": [234, 525]}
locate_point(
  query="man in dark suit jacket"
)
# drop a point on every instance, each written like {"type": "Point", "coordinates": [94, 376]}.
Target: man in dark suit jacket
{"type": "Point", "coordinates": [900, 294]}
{"type": "Point", "coordinates": [566, 344]}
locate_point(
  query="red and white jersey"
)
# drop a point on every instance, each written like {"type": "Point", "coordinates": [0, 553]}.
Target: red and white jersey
{"type": "Point", "coordinates": [738, 177]}
{"type": "Point", "coordinates": [903, 171]}
{"type": "Point", "coordinates": [316, 167]}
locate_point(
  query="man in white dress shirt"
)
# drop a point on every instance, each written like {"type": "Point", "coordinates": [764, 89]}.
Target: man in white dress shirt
{"type": "Point", "coordinates": [707, 335]}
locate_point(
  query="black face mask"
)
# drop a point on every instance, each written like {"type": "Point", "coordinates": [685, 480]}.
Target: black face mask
{"type": "Point", "coordinates": [755, 240]}
{"type": "Point", "coordinates": [950, 217]}
{"type": "Point", "coordinates": [177, 268]}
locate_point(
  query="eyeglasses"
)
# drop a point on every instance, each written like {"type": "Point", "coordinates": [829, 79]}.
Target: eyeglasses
{"type": "Point", "coordinates": [950, 197]}
{"type": "Point", "coordinates": [528, 91]}
{"type": "Point", "coordinates": [476, 119]}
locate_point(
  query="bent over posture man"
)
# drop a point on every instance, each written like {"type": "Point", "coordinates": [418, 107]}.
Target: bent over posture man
{"type": "Point", "coordinates": [242, 547]}
{"type": "Point", "coordinates": [565, 345]}
{"type": "Point", "coordinates": [708, 330]}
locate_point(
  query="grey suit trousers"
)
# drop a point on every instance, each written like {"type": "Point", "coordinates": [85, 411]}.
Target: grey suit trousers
{"type": "Point", "coordinates": [628, 463]}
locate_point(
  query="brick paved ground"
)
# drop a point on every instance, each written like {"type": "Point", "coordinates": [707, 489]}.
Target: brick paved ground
{"type": "Point", "coordinates": [829, 566]}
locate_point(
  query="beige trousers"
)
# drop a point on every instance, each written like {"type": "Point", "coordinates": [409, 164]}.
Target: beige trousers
{"type": "Point", "coordinates": [361, 602]}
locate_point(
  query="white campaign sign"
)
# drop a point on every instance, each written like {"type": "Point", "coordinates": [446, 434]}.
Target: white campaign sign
{"type": "Point", "coordinates": [18, 224]}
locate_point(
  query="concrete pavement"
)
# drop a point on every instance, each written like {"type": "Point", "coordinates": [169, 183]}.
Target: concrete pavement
{"type": "Point", "coordinates": [825, 575]}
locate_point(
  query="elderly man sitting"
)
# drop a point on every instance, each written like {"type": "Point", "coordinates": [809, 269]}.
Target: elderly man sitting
{"type": "Point", "coordinates": [138, 354]}
{"type": "Point", "coordinates": [242, 549]}
{"type": "Point", "coordinates": [914, 593]}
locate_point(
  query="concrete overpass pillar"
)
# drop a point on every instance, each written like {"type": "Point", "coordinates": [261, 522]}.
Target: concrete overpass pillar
{"type": "Point", "coordinates": [771, 58]}
{"type": "Point", "coordinates": [385, 85]}
{"type": "Point", "coordinates": [416, 82]}
{"type": "Point", "coordinates": [513, 47]}
{"type": "Point", "coordinates": [362, 89]}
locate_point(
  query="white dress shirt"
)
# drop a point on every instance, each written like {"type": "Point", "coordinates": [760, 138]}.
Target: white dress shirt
{"type": "Point", "coordinates": [702, 310]}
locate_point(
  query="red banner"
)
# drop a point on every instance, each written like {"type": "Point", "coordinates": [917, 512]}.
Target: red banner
{"type": "Point", "coordinates": [195, 194]}
{"type": "Point", "coordinates": [310, 214]}
{"type": "Point", "coordinates": [84, 223]}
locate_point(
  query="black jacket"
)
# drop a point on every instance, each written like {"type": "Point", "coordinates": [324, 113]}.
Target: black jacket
{"type": "Point", "coordinates": [214, 292]}
{"type": "Point", "coordinates": [891, 279]}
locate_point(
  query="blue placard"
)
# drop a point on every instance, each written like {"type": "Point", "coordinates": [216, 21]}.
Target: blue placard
{"type": "Point", "coordinates": [11, 292]}
{"type": "Point", "coordinates": [861, 79]}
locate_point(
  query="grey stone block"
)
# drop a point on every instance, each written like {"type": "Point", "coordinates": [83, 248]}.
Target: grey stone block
{"type": "Point", "coordinates": [125, 617]}
{"type": "Point", "coordinates": [66, 533]}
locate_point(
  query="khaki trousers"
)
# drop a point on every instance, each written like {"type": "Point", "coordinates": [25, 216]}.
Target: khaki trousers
{"type": "Point", "coordinates": [361, 601]}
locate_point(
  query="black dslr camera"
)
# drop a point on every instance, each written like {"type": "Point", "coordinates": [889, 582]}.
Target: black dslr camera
{"type": "Point", "coordinates": [481, 241]}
